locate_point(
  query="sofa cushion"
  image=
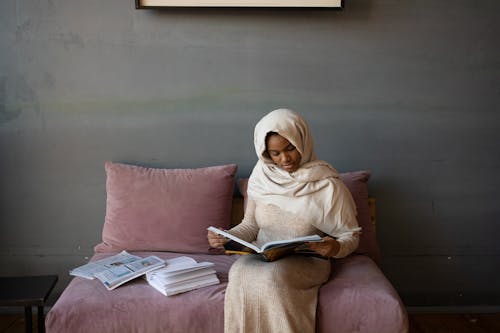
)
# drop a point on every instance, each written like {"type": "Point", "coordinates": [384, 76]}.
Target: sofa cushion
{"type": "Point", "coordinates": [357, 298]}
{"type": "Point", "coordinates": [150, 209]}
{"type": "Point", "coordinates": [86, 306]}
{"type": "Point", "coordinates": [357, 183]}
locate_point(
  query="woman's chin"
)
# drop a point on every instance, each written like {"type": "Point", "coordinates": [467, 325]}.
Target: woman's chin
{"type": "Point", "coordinates": [289, 168]}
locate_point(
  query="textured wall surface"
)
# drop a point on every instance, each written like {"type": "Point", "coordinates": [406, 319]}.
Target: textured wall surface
{"type": "Point", "coordinates": [407, 89]}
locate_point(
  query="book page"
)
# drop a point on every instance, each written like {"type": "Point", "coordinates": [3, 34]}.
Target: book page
{"type": "Point", "coordinates": [176, 280]}
{"type": "Point", "coordinates": [89, 270]}
{"type": "Point", "coordinates": [179, 269]}
{"type": "Point", "coordinates": [236, 239]}
{"type": "Point", "coordinates": [119, 274]}
{"type": "Point", "coordinates": [205, 282]}
{"type": "Point", "coordinates": [182, 274]}
{"type": "Point", "coordinates": [298, 240]}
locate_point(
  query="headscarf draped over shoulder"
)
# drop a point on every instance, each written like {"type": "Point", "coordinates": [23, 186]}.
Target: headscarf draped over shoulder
{"type": "Point", "coordinates": [314, 191]}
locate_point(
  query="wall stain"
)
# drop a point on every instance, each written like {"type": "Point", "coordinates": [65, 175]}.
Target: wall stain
{"type": "Point", "coordinates": [22, 98]}
{"type": "Point", "coordinates": [68, 40]}
{"type": "Point", "coordinates": [24, 30]}
{"type": "Point", "coordinates": [5, 114]}
{"type": "Point", "coordinates": [48, 80]}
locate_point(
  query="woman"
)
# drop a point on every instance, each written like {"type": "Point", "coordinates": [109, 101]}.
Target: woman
{"type": "Point", "coordinates": [290, 194]}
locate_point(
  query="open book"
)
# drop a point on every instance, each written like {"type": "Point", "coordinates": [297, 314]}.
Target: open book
{"type": "Point", "coordinates": [182, 274]}
{"type": "Point", "coordinates": [118, 269]}
{"type": "Point", "coordinates": [272, 250]}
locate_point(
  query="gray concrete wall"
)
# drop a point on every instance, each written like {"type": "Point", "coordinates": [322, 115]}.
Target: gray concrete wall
{"type": "Point", "coordinates": [407, 89]}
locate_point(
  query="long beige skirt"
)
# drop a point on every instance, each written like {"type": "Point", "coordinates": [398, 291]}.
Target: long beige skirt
{"type": "Point", "coordinates": [274, 297]}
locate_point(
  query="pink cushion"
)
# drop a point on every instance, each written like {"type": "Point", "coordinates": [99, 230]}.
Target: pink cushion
{"type": "Point", "coordinates": [357, 183]}
{"type": "Point", "coordinates": [165, 209]}
{"type": "Point", "coordinates": [357, 298]}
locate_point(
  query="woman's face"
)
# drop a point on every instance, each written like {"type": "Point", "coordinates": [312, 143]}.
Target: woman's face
{"type": "Point", "coordinates": [283, 153]}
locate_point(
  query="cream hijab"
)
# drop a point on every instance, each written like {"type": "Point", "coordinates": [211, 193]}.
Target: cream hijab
{"type": "Point", "coordinates": [314, 191]}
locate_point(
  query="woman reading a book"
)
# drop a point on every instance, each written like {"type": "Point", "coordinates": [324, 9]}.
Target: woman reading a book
{"type": "Point", "coordinates": [290, 194]}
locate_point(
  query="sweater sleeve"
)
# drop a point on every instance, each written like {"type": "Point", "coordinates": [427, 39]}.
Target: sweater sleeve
{"type": "Point", "coordinates": [248, 228]}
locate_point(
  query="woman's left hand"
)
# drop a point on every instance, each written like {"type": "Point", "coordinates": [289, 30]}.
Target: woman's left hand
{"type": "Point", "coordinates": [327, 248]}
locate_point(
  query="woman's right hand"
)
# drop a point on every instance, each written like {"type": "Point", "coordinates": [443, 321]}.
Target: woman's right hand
{"type": "Point", "coordinates": [216, 240]}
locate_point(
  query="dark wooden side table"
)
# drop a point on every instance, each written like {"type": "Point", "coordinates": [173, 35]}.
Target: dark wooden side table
{"type": "Point", "coordinates": [27, 291]}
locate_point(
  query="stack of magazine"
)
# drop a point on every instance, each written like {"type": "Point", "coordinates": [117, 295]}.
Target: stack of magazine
{"type": "Point", "coordinates": [118, 269]}
{"type": "Point", "coordinates": [182, 274]}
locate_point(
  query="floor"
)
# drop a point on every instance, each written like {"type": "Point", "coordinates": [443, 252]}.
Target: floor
{"type": "Point", "coordinates": [14, 323]}
{"type": "Point", "coordinates": [419, 323]}
{"type": "Point", "coordinates": [455, 323]}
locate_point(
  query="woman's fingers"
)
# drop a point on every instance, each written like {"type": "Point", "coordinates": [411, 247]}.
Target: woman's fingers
{"type": "Point", "coordinates": [328, 248]}
{"type": "Point", "coordinates": [215, 240]}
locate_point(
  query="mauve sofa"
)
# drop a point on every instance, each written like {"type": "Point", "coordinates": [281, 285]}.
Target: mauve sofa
{"type": "Point", "coordinates": [165, 212]}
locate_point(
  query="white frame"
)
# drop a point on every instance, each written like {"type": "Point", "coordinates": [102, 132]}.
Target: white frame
{"type": "Point", "coordinates": [143, 4]}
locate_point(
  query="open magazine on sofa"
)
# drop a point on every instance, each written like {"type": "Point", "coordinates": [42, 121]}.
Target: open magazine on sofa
{"type": "Point", "coordinates": [118, 269]}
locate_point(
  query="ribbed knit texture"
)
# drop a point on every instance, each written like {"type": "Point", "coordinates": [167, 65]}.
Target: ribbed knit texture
{"type": "Point", "coordinates": [279, 296]}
